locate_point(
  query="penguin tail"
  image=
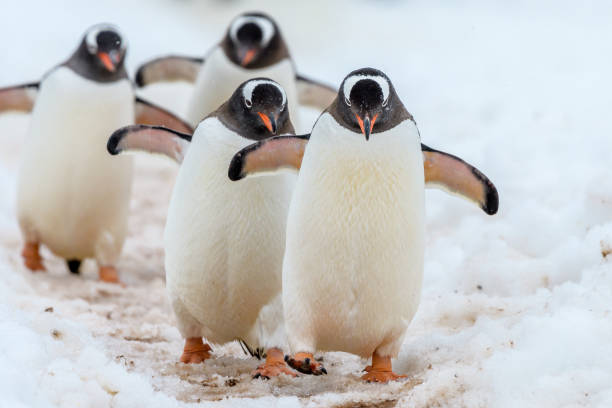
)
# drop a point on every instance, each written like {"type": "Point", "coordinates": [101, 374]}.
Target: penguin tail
{"type": "Point", "coordinates": [74, 265]}
{"type": "Point", "coordinates": [257, 352]}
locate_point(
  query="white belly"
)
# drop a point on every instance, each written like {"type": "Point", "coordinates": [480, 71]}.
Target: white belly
{"type": "Point", "coordinates": [224, 240]}
{"type": "Point", "coordinates": [219, 78]}
{"type": "Point", "coordinates": [355, 239]}
{"type": "Point", "coordinates": [72, 195]}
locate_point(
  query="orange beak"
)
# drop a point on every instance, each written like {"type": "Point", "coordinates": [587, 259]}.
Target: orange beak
{"type": "Point", "coordinates": [108, 61]}
{"type": "Point", "coordinates": [248, 57]}
{"type": "Point", "coordinates": [270, 124]}
{"type": "Point", "coordinates": [366, 124]}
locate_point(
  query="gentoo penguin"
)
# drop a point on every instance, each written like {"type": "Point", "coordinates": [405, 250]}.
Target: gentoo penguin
{"type": "Point", "coordinates": [253, 46]}
{"type": "Point", "coordinates": [353, 265]}
{"type": "Point", "coordinates": [224, 242]}
{"type": "Point", "coordinates": [72, 197]}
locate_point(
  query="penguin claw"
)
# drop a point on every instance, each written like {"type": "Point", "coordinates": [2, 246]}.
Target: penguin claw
{"type": "Point", "coordinates": [267, 371]}
{"type": "Point", "coordinates": [274, 366]}
{"type": "Point", "coordinates": [375, 376]}
{"type": "Point", "coordinates": [380, 371]}
{"type": "Point", "coordinates": [305, 364]}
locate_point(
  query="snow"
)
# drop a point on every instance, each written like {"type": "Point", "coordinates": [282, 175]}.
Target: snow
{"type": "Point", "coordinates": [516, 308]}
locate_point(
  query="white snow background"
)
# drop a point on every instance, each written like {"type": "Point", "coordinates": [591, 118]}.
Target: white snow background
{"type": "Point", "coordinates": [516, 308]}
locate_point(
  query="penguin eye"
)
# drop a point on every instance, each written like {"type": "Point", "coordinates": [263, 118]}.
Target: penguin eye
{"type": "Point", "coordinates": [347, 101]}
{"type": "Point", "coordinates": [248, 103]}
{"type": "Point", "coordinates": [385, 102]}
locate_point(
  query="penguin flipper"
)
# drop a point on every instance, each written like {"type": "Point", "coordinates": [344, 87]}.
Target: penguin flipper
{"type": "Point", "coordinates": [150, 139]}
{"type": "Point", "coordinates": [150, 114]}
{"type": "Point", "coordinates": [268, 155]}
{"type": "Point", "coordinates": [450, 173]}
{"type": "Point", "coordinates": [167, 69]}
{"type": "Point", "coordinates": [18, 97]}
{"type": "Point", "coordinates": [313, 93]}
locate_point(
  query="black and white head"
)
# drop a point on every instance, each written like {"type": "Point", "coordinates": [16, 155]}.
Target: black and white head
{"type": "Point", "coordinates": [253, 40]}
{"type": "Point", "coordinates": [367, 103]}
{"type": "Point", "coordinates": [101, 54]}
{"type": "Point", "coordinates": [257, 110]}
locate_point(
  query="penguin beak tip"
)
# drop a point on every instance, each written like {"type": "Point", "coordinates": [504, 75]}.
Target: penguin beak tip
{"type": "Point", "coordinates": [269, 122]}
{"type": "Point", "coordinates": [109, 61]}
{"type": "Point", "coordinates": [247, 56]}
{"type": "Point", "coordinates": [367, 127]}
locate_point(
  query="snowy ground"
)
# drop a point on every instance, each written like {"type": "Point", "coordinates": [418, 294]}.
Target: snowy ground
{"type": "Point", "coordinates": [516, 308]}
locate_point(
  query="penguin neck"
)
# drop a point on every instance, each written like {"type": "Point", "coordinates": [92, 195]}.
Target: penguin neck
{"type": "Point", "coordinates": [396, 113]}
{"type": "Point", "coordinates": [212, 131]}
{"type": "Point", "coordinates": [231, 120]}
{"type": "Point", "coordinates": [330, 139]}
{"type": "Point", "coordinates": [80, 63]}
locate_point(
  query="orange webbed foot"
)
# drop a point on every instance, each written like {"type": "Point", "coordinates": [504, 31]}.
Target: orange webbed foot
{"type": "Point", "coordinates": [273, 366]}
{"type": "Point", "coordinates": [380, 370]}
{"type": "Point", "coordinates": [32, 258]}
{"type": "Point", "coordinates": [108, 274]}
{"type": "Point", "coordinates": [195, 351]}
{"type": "Point", "coordinates": [381, 376]}
{"type": "Point", "coordinates": [305, 363]}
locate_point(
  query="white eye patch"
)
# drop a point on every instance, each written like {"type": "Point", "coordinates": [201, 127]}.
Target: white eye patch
{"type": "Point", "coordinates": [265, 25]}
{"type": "Point", "coordinates": [91, 39]}
{"type": "Point", "coordinates": [350, 82]}
{"type": "Point", "coordinates": [249, 87]}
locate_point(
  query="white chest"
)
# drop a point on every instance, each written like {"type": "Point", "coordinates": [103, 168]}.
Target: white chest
{"type": "Point", "coordinates": [67, 101]}
{"type": "Point", "coordinates": [224, 240]}
{"type": "Point", "coordinates": [70, 189]}
{"type": "Point", "coordinates": [355, 236]}
{"type": "Point", "coordinates": [73, 118]}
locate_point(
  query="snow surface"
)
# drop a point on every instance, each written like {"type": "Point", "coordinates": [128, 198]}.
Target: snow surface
{"type": "Point", "coordinates": [516, 308]}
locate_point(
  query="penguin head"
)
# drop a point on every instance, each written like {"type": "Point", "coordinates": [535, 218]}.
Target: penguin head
{"type": "Point", "coordinates": [367, 101]}
{"type": "Point", "coordinates": [259, 108]}
{"type": "Point", "coordinates": [103, 49]}
{"type": "Point", "coordinates": [253, 41]}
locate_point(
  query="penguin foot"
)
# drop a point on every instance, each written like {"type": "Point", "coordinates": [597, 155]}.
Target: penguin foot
{"type": "Point", "coordinates": [380, 370]}
{"type": "Point", "coordinates": [108, 274]}
{"type": "Point", "coordinates": [273, 366]}
{"type": "Point", "coordinates": [32, 258]}
{"type": "Point", "coordinates": [305, 363]}
{"type": "Point", "coordinates": [74, 265]}
{"type": "Point", "coordinates": [381, 376]}
{"type": "Point", "coordinates": [195, 351]}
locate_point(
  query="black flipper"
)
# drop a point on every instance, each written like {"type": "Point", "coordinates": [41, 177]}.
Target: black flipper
{"type": "Point", "coordinates": [150, 139]}
{"type": "Point", "coordinates": [269, 155]}
{"type": "Point", "coordinates": [148, 113]}
{"type": "Point", "coordinates": [169, 68]}
{"type": "Point", "coordinates": [314, 93]}
{"type": "Point", "coordinates": [454, 175]}
{"type": "Point", "coordinates": [19, 97]}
